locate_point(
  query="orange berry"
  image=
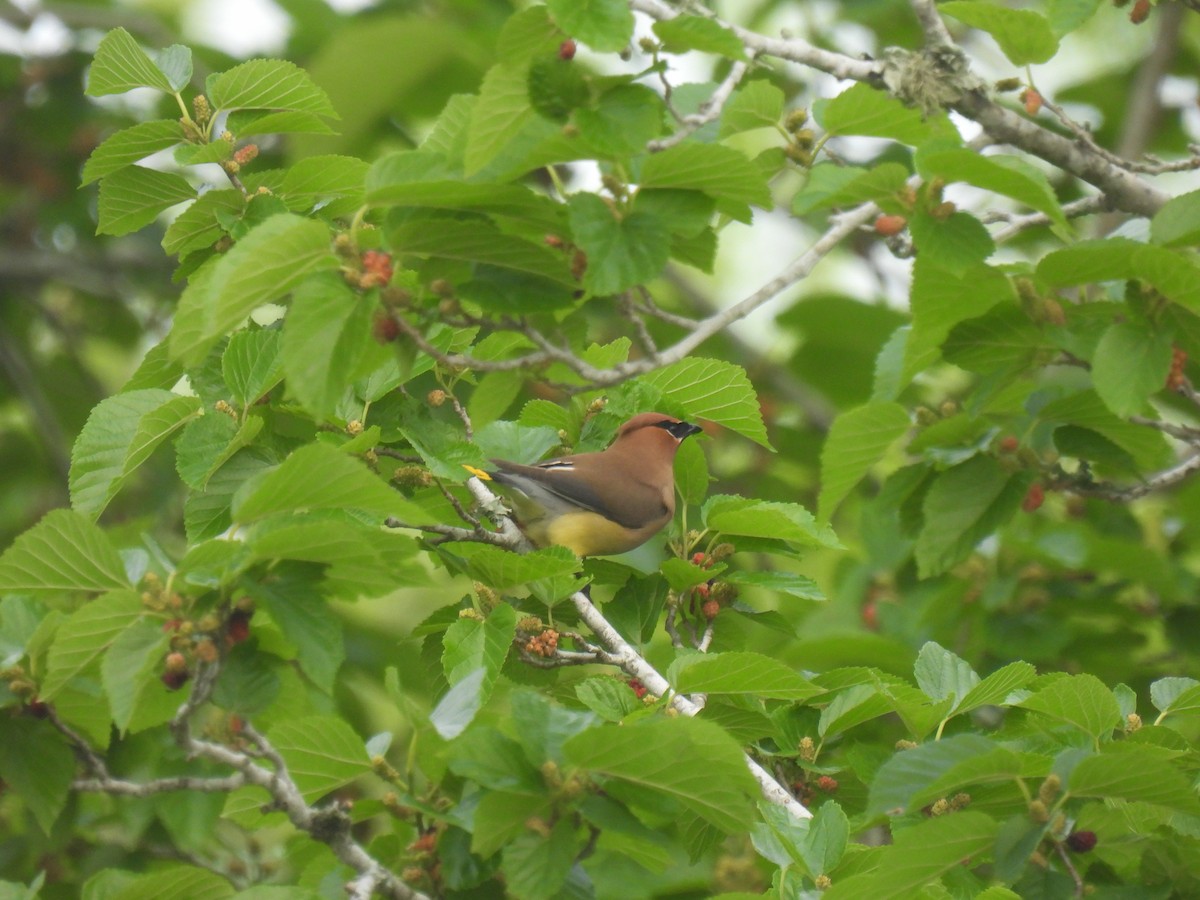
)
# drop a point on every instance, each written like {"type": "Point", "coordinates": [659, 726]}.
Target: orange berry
{"type": "Point", "coordinates": [889, 225]}
{"type": "Point", "coordinates": [710, 609]}
{"type": "Point", "coordinates": [1032, 100]}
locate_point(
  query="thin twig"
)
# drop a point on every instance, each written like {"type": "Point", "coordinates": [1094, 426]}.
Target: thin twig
{"type": "Point", "coordinates": [709, 111]}
{"type": "Point", "coordinates": [1070, 866]}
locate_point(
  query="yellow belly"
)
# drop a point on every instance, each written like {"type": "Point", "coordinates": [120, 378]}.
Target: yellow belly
{"type": "Point", "coordinates": [587, 534]}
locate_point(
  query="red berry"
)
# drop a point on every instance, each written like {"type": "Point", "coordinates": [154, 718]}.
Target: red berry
{"type": "Point", "coordinates": [1033, 498]}
{"type": "Point", "coordinates": [710, 609]}
{"type": "Point", "coordinates": [175, 680]}
{"type": "Point", "coordinates": [378, 264]}
{"type": "Point", "coordinates": [566, 50]}
{"type": "Point", "coordinates": [384, 329]}
{"type": "Point", "coordinates": [1009, 444]}
{"type": "Point", "coordinates": [1175, 377]}
{"type": "Point", "coordinates": [870, 615]}
{"type": "Point", "coordinates": [827, 784]}
{"type": "Point", "coordinates": [175, 662]}
{"type": "Point", "coordinates": [172, 625]}
{"type": "Point", "coordinates": [698, 559]}
{"type": "Point", "coordinates": [39, 709]}
{"type": "Point", "coordinates": [1032, 100]}
{"type": "Point", "coordinates": [639, 689]}
{"type": "Point", "coordinates": [1140, 12]}
{"type": "Point", "coordinates": [1081, 841]}
{"type": "Point", "coordinates": [238, 627]}
{"type": "Point", "coordinates": [701, 591]}
{"type": "Point", "coordinates": [890, 225]}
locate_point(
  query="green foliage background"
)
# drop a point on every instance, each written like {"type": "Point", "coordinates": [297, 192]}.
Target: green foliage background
{"type": "Point", "coordinates": [959, 653]}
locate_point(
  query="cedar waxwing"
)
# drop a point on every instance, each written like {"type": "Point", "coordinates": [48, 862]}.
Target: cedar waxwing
{"type": "Point", "coordinates": [597, 504]}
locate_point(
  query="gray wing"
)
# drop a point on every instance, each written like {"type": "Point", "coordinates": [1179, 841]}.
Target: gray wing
{"type": "Point", "coordinates": [556, 485]}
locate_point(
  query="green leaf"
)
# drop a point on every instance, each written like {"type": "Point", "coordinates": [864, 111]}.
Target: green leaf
{"type": "Point", "coordinates": [175, 62]}
{"type": "Point", "coordinates": [691, 472]}
{"type": "Point", "coordinates": [502, 569]}
{"type": "Point", "coordinates": [778, 582]}
{"type": "Point", "coordinates": [309, 623]}
{"type": "Point", "coordinates": [714, 169]}
{"type": "Point", "coordinates": [941, 299]}
{"type": "Point", "coordinates": [129, 673]}
{"type": "Point", "coordinates": [1137, 773]}
{"type": "Point", "coordinates": [852, 707]}
{"type": "Point", "coordinates": [251, 365]}
{"type": "Point", "coordinates": [604, 25]}
{"type": "Point", "coordinates": [268, 84]}
{"type": "Point", "coordinates": [858, 439]}
{"type": "Point", "coordinates": [715, 390]}
{"type": "Point", "coordinates": [1165, 692]}
{"type": "Point", "coordinates": [271, 260]}
{"type": "Point", "coordinates": [120, 65]}
{"type": "Point", "coordinates": [622, 251]}
{"type": "Point", "coordinates": [825, 843]}
{"type": "Point", "coordinates": [318, 477]}
{"type": "Point", "coordinates": [330, 183]}
{"type": "Point", "coordinates": [790, 522]}
{"type": "Point", "coordinates": [64, 552]}
{"type": "Point", "coordinates": [1024, 36]}
{"type": "Point", "coordinates": [752, 674]}
{"type": "Point", "coordinates": [830, 185]}
{"type": "Point", "coordinates": [38, 766]}
{"type": "Point", "coordinates": [199, 226]}
{"type": "Point", "coordinates": [621, 122]}
{"type": "Point", "coordinates": [955, 243]}
{"type": "Point", "coordinates": [515, 442]}
{"type": "Point", "coordinates": [1086, 410]}
{"type": "Point", "coordinates": [1081, 701]}
{"type": "Point", "coordinates": [1177, 224]}
{"type": "Point", "coordinates": [469, 644]}
{"type": "Point", "coordinates": [502, 112]}
{"type": "Point", "coordinates": [85, 635]}
{"type": "Point", "coordinates": [994, 689]}
{"type": "Point", "coordinates": [1007, 175]}
{"type": "Point", "coordinates": [759, 104]}
{"type": "Point", "coordinates": [535, 867]}
{"type": "Point", "coordinates": [684, 33]}
{"type": "Point", "coordinates": [1131, 362]}
{"type": "Point", "coordinates": [865, 110]}
{"type": "Point", "coordinates": [326, 339]}
{"type": "Point", "coordinates": [1001, 340]}
{"type": "Point", "coordinates": [175, 882]}
{"type": "Point", "coordinates": [322, 754]}
{"type": "Point", "coordinates": [694, 762]}
{"type": "Point", "coordinates": [963, 506]}
{"type": "Point", "coordinates": [1087, 262]}
{"type": "Point", "coordinates": [120, 434]}
{"type": "Point", "coordinates": [919, 854]}
{"type": "Point", "coordinates": [129, 145]}
{"type": "Point", "coordinates": [903, 780]}
{"type": "Point", "coordinates": [610, 698]}
{"type": "Point", "coordinates": [132, 197]}
{"type": "Point", "coordinates": [208, 442]}
{"type": "Point", "coordinates": [943, 675]}
{"type": "Point", "coordinates": [477, 242]}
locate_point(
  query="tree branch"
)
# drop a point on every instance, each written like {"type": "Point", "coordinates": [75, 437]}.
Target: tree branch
{"type": "Point", "coordinates": [710, 109]}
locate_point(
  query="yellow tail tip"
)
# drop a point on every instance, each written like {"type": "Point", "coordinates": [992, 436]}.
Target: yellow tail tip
{"type": "Point", "coordinates": [478, 473]}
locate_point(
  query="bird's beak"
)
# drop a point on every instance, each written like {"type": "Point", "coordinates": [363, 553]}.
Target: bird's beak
{"type": "Point", "coordinates": [681, 430]}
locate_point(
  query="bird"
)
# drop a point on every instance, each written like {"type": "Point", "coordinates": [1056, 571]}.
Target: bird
{"type": "Point", "coordinates": [603, 503]}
